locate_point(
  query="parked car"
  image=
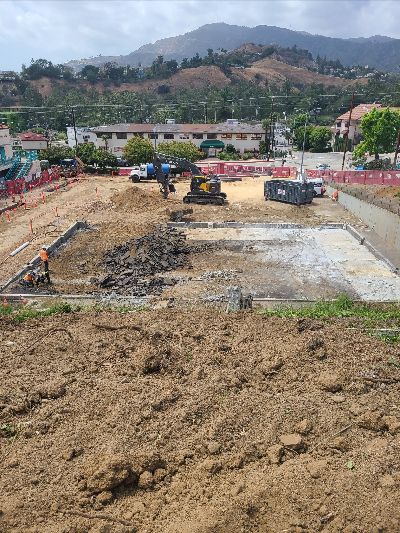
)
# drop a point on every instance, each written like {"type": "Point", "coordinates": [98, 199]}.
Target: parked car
{"type": "Point", "coordinates": [121, 162]}
{"type": "Point", "coordinates": [323, 166]}
{"type": "Point", "coordinates": [319, 187]}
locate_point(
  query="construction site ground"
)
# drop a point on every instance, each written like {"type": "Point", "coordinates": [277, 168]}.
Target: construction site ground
{"type": "Point", "coordinates": [189, 419]}
{"type": "Point", "coordinates": [194, 421]}
{"type": "Point", "coordinates": [116, 211]}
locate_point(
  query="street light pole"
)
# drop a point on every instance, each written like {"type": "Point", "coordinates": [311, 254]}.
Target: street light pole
{"type": "Point", "coordinates": [74, 126]}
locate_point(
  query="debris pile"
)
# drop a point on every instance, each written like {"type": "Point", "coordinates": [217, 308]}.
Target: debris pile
{"type": "Point", "coordinates": [129, 264]}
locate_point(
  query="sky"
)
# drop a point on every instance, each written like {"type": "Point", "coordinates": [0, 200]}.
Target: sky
{"type": "Point", "coordinates": [60, 30]}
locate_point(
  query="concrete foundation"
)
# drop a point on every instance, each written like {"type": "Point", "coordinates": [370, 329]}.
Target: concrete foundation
{"type": "Point", "coordinates": [290, 262]}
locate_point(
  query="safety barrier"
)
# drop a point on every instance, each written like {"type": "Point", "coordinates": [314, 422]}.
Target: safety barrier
{"type": "Point", "coordinates": [20, 186]}
{"type": "Point", "coordinates": [363, 177]}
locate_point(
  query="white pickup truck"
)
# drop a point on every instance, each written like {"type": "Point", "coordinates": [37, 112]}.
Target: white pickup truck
{"type": "Point", "coordinates": [319, 187]}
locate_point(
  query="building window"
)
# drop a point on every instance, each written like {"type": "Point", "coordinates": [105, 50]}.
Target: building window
{"type": "Point", "coordinates": [153, 135]}
{"type": "Point", "coordinates": [211, 135]}
{"type": "Point", "coordinates": [241, 136]}
{"type": "Point", "coordinates": [138, 135]}
{"type": "Point", "coordinates": [226, 136]}
{"type": "Point", "coordinates": [184, 136]}
{"type": "Point", "coordinates": [338, 124]}
{"type": "Point", "coordinates": [346, 124]}
{"type": "Point", "coordinates": [169, 136]}
{"type": "Point", "coordinates": [256, 137]}
{"type": "Point", "coordinates": [104, 135]}
{"type": "Point", "coordinates": [197, 135]}
{"type": "Point", "coordinates": [121, 135]}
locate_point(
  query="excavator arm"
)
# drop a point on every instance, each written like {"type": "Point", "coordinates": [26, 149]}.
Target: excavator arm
{"type": "Point", "coordinates": [180, 163]}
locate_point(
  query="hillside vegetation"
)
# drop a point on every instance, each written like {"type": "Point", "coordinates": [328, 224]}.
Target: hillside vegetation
{"type": "Point", "coordinates": [377, 51]}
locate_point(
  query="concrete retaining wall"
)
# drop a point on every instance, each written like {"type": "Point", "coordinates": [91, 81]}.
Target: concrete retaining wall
{"type": "Point", "coordinates": [383, 222]}
{"type": "Point", "coordinates": [62, 239]}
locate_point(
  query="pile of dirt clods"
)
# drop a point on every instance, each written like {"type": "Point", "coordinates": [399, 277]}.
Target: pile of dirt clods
{"type": "Point", "coordinates": [178, 421]}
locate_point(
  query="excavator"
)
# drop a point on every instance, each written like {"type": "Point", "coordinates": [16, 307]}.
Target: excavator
{"type": "Point", "coordinates": [203, 189]}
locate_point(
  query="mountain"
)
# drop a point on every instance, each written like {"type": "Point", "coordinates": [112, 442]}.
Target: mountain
{"type": "Point", "coordinates": [377, 51]}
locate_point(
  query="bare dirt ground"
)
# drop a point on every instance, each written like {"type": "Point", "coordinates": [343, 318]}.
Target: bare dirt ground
{"type": "Point", "coordinates": [194, 421]}
{"type": "Point", "coordinates": [116, 217]}
{"type": "Point", "coordinates": [188, 420]}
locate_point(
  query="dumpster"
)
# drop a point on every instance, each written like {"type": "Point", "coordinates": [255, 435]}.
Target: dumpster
{"type": "Point", "coordinates": [291, 192]}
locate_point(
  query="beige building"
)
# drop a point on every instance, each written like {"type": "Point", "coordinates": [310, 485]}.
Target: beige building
{"type": "Point", "coordinates": [351, 128]}
{"type": "Point", "coordinates": [32, 141]}
{"type": "Point", "coordinates": [208, 137]}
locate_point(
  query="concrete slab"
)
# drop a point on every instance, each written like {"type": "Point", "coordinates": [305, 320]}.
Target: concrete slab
{"type": "Point", "coordinates": [295, 263]}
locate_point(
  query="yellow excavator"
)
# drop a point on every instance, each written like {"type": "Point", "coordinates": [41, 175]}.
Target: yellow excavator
{"type": "Point", "coordinates": [203, 189]}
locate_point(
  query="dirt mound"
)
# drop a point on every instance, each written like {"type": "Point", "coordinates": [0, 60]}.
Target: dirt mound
{"type": "Point", "coordinates": [179, 421]}
{"type": "Point", "coordinates": [158, 252]}
{"type": "Point", "coordinates": [139, 199]}
{"type": "Point", "coordinates": [136, 267]}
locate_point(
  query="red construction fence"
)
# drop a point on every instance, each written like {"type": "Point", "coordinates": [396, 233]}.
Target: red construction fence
{"type": "Point", "coordinates": [363, 177]}
{"type": "Point", "coordinates": [234, 169]}
{"type": "Point", "coordinates": [19, 186]}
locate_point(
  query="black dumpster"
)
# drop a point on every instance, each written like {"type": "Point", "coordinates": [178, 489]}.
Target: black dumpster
{"type": "Point", "coordinates": [291, 192]}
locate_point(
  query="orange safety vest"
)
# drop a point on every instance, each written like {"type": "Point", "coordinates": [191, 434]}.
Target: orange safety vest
{"type": "Point", "coordinates": [43, 255]}
{"type": "Point", "coordinates": [28, 277]}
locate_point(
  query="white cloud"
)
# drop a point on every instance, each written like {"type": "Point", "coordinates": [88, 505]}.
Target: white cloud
{"type": "Point", "coordinates": [61, 30]}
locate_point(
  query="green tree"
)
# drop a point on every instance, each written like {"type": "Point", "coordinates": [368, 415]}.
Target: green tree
{"type": "Point", "coordinates": [104, 159]}
{"type": "Point", "coordinates": [90, 73]}
{"type": "Point", "coordinates": [87, 152]}
{"type": "Point", "coordinates": [186, 150]}
{"type": "Point", "coordinates": [138, 150]}
{"type": "Point", "coordinates": [55, 154]}
{"type": "Point", "coordinates": [320, 137]}
{"type": "Point", "coordinates": [15, 121]}
{"type": "Point", "coordinates": [380, 128]}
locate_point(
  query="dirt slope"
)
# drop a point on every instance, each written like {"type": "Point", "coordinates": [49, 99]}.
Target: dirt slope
{"type": "Point", "coordinates": [191, 78]}
{"type": "Point", "coordinates": [178, 421]}
{"type": "Point", "coordinates": [269, 69]}
{"type": "Point", "coordinates": [278, 72]}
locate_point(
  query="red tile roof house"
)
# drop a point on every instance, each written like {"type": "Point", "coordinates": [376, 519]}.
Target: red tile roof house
{"type": "Point", "coordinates": [33, 141]}
{"type": "Point", "coordinates": [353, 128]}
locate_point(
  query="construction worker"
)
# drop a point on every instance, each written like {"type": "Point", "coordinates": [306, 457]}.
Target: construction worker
{"type": "Point", "coordinates": [28, 280]}
{"type": "Point", "coordinates": [44, 256]}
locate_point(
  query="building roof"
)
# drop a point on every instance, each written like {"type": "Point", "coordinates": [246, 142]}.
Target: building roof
{"type": "Point", "coordinates": [180, 128]}
{"type": "Point", "coordinates": [32, 137]}
{"type": "Point", "coordinates": [4, 127]}
{"type": "Point", "coordinates": [359, 111]}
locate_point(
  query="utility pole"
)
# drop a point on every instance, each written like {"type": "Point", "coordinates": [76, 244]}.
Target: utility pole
{"type": "Point", "coordinates": [74, 126]}
{"type": "Point", "coordinates": [347, 135]}
{"type": "Point", "coordinates": [205, 111]}
{"type": "Point", "coordinates": [304, 145]}
{"type": "Point", "coordinates": [271, 125]}
{"type": "Point", "coordinates": [397, 150]}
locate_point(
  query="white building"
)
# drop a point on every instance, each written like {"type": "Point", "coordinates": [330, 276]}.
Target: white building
{"type": "Point", "coordinates": [83, 136]}
{"type": "Point", "coordinates": [6, 151]}
{"type": "Point", "coordinates": [207, 137]}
